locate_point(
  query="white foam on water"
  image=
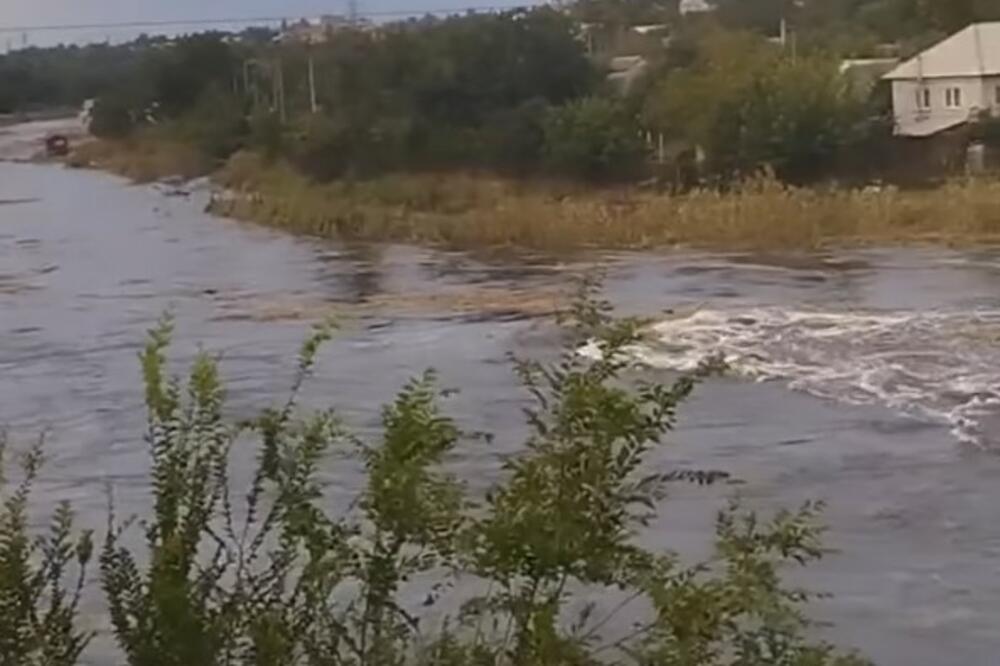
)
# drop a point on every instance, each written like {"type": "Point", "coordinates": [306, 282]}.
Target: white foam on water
{"type": "Point", "coordinates": [939, 365]}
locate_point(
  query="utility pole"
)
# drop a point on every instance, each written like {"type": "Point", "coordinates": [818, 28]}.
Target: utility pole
{"type": "Point", "coordinates": [251, 81]}
{"type": "Point", "coordinates": [280, 85]}
{"type": "Point", "coordinates": [789, 39]}
{"type": "Point", "coordinates": [275, 91]}
{"type": "Point", "coordinates": [313, 105]}
{"type": "Point", "coordinates": [246, 77]}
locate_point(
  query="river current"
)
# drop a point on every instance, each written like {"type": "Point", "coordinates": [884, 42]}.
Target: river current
{"type": "Point", "coordinates": [868, 379]}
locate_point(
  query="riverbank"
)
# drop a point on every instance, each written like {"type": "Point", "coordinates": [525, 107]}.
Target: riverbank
{"type": "Point", "coordinates": [471, 211]}
{"type": "Point", "coordinates": [59, 113]}
{"type": "Point", "coordinates": [143, 158]}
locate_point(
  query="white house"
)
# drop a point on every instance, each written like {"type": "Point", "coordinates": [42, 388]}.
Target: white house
{"type": "Point", "coordinates": [626, 71]}
{"type": "Point", "coordinates": [319, 30]}
{"type": "Point", "coordinates": [949, 84]}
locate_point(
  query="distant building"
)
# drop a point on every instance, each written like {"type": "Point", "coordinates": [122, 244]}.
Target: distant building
{"type": "Point", "coordinates": [626, 71]}
{"type": "Point", "coordinates": [651, 29]}
{"type": "Point", "coordinates": [606, 40]}
{"type": "Point", "coordinates": [695, 6]}
{"type": "Point", "coordinates": [950, 84]}
{"type": "Point", "coordinates": [318, 30]}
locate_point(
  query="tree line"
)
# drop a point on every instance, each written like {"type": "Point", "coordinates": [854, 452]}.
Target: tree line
{"type": "Point", "coordinates": [520, 93]}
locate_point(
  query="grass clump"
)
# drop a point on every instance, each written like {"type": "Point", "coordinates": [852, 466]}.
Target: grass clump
{"type": "Point", "coordinates": [270, 575]}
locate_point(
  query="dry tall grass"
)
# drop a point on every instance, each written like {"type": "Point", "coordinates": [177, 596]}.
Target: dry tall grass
{"type": "Point", "coordinates": [142, 158]}
{"type": "Point", "coordinates": [471, 212]}
{"type": "Point", "coordinates": [467, 212]}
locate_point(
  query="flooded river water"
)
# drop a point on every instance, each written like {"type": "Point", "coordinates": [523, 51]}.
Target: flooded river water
{"type": "Point", "coordinates": [867, 379]}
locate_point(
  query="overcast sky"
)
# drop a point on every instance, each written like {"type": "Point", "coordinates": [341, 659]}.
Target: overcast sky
{"type": "Point", "coordinates": [52, 12]}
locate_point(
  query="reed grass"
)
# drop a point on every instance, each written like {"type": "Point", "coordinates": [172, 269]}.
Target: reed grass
{"type": "Point", "coordinates": [142, 158]}
{"type": "Point", "coordinates": [469, 211]}
{"type": "Point", "coordinates": [466, 211]}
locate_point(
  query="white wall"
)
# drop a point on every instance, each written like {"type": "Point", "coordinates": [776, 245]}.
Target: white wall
{"type": "Point", "coordinates": [991, 98]}
{"type": "Point", "coordinates": [911, 120]}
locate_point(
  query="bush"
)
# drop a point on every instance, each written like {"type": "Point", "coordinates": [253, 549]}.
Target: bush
{"type": "Point", "coordinates": [266, 590]}
{"type": "Point", "coordinates": [514, 140]}
{"type": "Point", "coordinates": [112, 118]}
{"type": "Point", "coordinates": [987, 130]}
{"type": "Point", "coordinates": [181, 74]}
{"type": "Point", "coordinates": [594, 139]}
{"type": "Point", "coordinates": [217, 124]}
{"type": "Point", "coordinates": [326, 149]}
{"type": "Point", "coordinates": [267, 134]}
{"type": "Point", "coordinates": [277, 579]}
{"type": "Point", "coordinates": [750, 107]}
{"type": "Point", "coordinates": [38, 612]}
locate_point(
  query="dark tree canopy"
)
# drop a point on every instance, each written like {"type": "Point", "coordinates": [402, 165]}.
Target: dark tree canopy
{"type": "Point", "coordinates": [519, 92]}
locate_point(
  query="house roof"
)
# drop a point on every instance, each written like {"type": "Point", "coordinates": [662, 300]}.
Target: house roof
{"type": "Point", "coordinates": [625, 63]}
{"type": "Point", "coordinates": [695, 6]}
{"type": "Point", "coordinates": [974, 51]}
{"type": "Point", "coordinates": [652, 27]}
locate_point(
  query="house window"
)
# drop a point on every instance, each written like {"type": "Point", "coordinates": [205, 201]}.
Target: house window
{"type": "Point", "coordinates": [953, 98]}
{"type": "Point", "coordinates": [998, 95]}
{"type": "Point", "coordinates": [924, 98]}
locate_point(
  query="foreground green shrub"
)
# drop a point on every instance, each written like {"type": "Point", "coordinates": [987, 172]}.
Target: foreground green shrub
{"type": "Point", "coordinates": [267, 575]}
{"type": "Point", "coordinates": [38, 609]}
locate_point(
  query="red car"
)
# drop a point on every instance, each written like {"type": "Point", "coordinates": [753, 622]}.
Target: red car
{"type": "Point", "coordinates": [57, 145]}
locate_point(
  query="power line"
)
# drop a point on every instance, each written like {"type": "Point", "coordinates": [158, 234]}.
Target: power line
{"type": "Point", "coordinates": [257, 20]}
{"type": "Point", "coordinates": [140, 24]}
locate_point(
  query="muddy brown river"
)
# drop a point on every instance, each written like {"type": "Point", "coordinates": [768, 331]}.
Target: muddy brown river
{"type": "Point", "coordinates": [867, 379]}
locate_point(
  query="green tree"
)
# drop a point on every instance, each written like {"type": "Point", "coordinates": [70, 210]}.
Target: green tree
{"type": "Point", "coordinates": [181, 74]}
{"type": "Point", "coordinates": [759, 15]}
{"type": "Point", "coordinates": [442, 94]}
{"type": "Point", "coordinates": [594, 138]}
{"type": "Point", "coordinates": [65, 76]}
{"type": "Point", "coordinates": [748, 105]}
{"type": "Point", "coordinates": [514, 139]}
{"type": "Point", "coordinates": [112, 117]}
{"type": "Point", "coordinates": [217, 124]}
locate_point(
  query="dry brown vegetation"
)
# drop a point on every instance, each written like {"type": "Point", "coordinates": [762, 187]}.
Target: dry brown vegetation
{"type": "Point", "coordinates": [470, 212]}
{"type": "Point", "coordinates": [142, 158]}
